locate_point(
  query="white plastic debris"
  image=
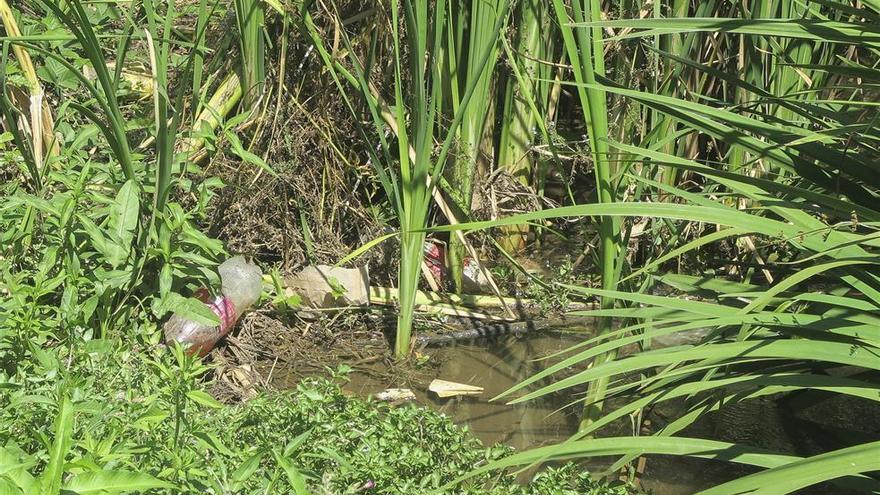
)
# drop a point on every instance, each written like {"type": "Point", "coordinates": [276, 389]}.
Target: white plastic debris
{"type": "Point", "coordinates": [444, 388]}
{"type": "Point", "coordinates": [322, 286]}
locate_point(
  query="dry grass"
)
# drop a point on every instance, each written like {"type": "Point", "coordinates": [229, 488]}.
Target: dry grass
{"type": "Point", "coordinates": [319, 179]}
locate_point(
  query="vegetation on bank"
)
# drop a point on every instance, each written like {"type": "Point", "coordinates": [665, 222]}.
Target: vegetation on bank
{"type": "Point", "coordinates": [722, 150]}
{"type": "Point", "coordinates": [108, 408]}
{"type": "Point", "coordinates": [100, 243]}
{"type": "Point", "coordinates": [99, 417]}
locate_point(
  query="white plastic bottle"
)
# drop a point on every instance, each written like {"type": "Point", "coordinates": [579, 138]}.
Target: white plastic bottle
{"type": "Point", "coordinates": [241, 283]}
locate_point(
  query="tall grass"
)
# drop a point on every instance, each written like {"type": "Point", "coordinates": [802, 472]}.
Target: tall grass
{"type": "Point", "coordinates": [798, 153]}
{"type": "Point", "coordinates": [410, 168]}
{"type": "Point", "coordinates": [584, 47]}
{"type": "Point", "coordinates": [104, 93]}
{"type": "Point", "coordinates": [250, 17]}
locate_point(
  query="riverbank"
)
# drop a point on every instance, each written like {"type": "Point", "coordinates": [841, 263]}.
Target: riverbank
{"type": "Point", "coordinates": [148, 411]}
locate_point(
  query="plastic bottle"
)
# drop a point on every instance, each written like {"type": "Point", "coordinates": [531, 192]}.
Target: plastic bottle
{"type": "Point", "coordinates": [241, 284]}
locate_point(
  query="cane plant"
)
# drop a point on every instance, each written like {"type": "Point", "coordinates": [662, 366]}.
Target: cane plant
{"type": "Point", "coordinates": [526, 105]}
{"type": "Point", "coordinates": [470, 30]}
{"type": "Point", "coordinates": [410, 168]}
{"type": "Point", "coordinates": [808, 327]}
{"type": "Point", "coordinates": [250, 17]}
{"type": "Point", "coordinates": [584, 47]}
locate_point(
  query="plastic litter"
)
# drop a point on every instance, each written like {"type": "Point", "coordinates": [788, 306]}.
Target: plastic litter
{"type": "Point", "coordinates": [322, 286]}
{"type": "Point", "coordinates": [241, 285]}
{"type": "Point", "coordinates": [435, 259]}
{"type": "Point", "coordinates": [444, 388]}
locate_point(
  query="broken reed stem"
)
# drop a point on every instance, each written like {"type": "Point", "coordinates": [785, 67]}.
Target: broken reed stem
{"type": "Point", "coordinates": [226, 97]}
{"type": "Point", "coordinates": [387, 295]}
{"type": "Point", "coordinates": [42, 123]}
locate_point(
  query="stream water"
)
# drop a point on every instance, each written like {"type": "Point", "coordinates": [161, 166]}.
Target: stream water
{"type": "Point", "coordinates": [501, 363]}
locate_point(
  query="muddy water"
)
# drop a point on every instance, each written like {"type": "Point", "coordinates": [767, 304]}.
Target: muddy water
{"type": "Point", "coordinates": [501, 363]}
{"type": "Point", "coordinates": [495, 367]}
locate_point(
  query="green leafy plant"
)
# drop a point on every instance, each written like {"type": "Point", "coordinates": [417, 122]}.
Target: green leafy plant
{"type": "Point", "coordinates": [801, 324]}
{"type": "Point", "coordinates": [18, 479]}
{"type": "Point", "coordinates": [410, 169]}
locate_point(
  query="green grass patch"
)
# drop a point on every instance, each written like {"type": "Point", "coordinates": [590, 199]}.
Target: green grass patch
{"type": "Point", "coordinates": [149, 413]}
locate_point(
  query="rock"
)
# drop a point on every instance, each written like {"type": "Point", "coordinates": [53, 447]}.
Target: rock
{"type": "Point", "coordinates": [395, 395]}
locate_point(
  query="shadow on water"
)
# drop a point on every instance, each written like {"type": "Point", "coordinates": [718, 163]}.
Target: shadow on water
{"type": "Point", "coordinates": [800, 425]}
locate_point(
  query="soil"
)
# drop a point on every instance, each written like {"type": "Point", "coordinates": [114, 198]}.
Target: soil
{"type": "Point", "coordinates": [266, 342]}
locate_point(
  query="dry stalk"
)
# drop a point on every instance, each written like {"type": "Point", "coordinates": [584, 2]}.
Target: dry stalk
{"type": "Point", "coordinates": [42, 123]}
